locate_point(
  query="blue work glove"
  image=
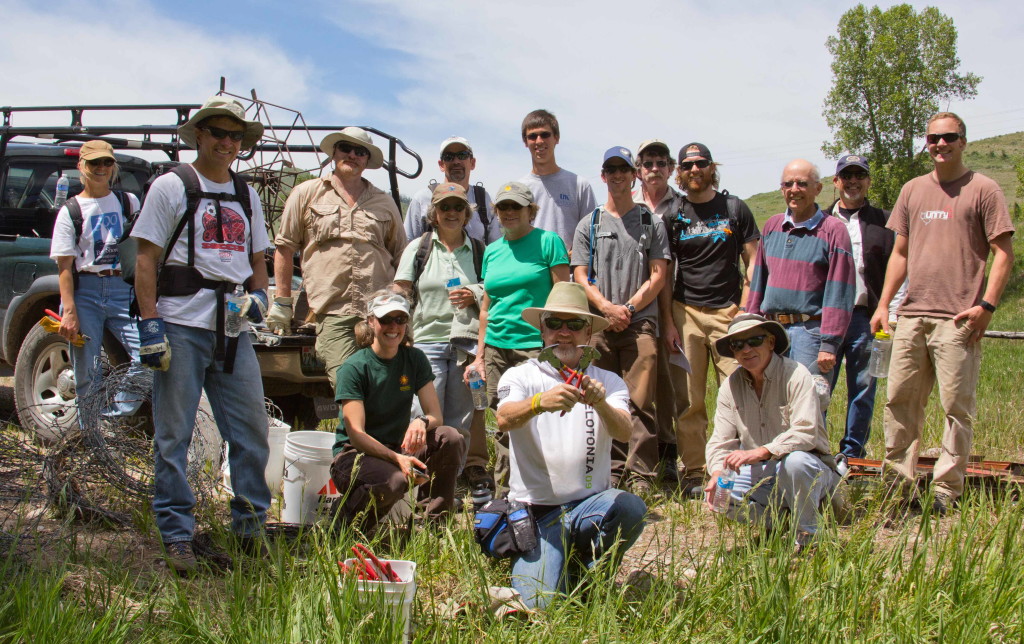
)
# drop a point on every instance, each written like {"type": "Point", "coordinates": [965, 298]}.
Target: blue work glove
{"type": "Point", "coordinates": [255, 306]}
{"type": "Point", "coordinates": [154, 349]}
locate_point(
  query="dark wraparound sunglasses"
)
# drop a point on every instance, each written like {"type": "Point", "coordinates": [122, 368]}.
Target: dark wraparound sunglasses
{"type": "Point", "coordinates": [388, 320]}
{"type": "Point", "coordinates": [533, 136]}
{"type": "Point", "coordinates": [448, 157]}
{"type": "Point", "coordinates": [853, 175]}
{"type": "Point", "coordinates": [220, 133]}
{"type": "Point", "coordinates": [754, 342]}
{"type": "Point", "coordinates": [105, 162]}
{"type": "Point", "coordinates": [458, 206]}
{"type": "Point", "coordinates": [575, 324]}
{"type": "Point", "coordinates": [345, 148]}
{"type": "Point", "coordinates": [661, 163]}
{"type": "Point", "coordinates": [509, 206]}
{"type": "Point", "coordinates": [687, 165]}
{"type": "Point", "coordinates": [948, 137]}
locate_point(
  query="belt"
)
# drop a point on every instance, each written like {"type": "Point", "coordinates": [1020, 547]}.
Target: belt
{"type": "Point", "coordinates": [791, 318]}
{"type": "Point", "coordinates": [113, 272]}
{"type": "Point", "coordinates": [542, 510]}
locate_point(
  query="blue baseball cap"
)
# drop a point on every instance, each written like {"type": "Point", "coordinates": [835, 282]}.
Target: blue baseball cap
{"type": "Point", "coordinates": [852, 159]}
{"type": "Point", "coordinates": [618, 152]}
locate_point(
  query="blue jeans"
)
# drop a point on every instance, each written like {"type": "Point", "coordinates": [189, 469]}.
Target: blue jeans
{"type": "Point", "coordinates": [585, 529]}
{"type": "Point", "coordinates": [237, 403]}
{"type": "Point", "coordinates": [799, 481]}
{"type": "Point", "coordinates": [860, 386]}
{"type": "Point", "coordinates": [102, 303]}
{"type": "Point", "coordinates": [446, 362]}
{"type": "Point", "coordinates": [804, 345]}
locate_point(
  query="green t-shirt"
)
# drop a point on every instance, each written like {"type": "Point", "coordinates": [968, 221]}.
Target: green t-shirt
{"type": "Point", "coordinates": [517, 275]}
{"type": "Point", "coordinates": [386, 388]}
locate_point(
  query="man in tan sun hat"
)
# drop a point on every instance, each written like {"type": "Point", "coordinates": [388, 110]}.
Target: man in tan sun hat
{"type": "Point", "coordinates": [351, 238]}
{"type": "Point", "coordinates": [560, 432]}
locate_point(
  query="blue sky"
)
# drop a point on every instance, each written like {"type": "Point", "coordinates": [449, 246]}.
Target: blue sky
{"type": "Point", "coordinates": [747, 79]}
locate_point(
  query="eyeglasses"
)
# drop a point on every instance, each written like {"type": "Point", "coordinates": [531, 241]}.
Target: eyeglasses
{"type": "Point", "coordinates": [948, 137]}
{"type": "Point", "coordinates": [687, 165]}
{"type": "Point", "coordinates": [458, 206]}
{"type": "Point", "coordinates": [859, 174]}
{"type": "Point", "coordinates": [575, 324]}
{"type": "Point", "coordinates": [105, 162]}
{"type": "Point", "coordinates": [345, 148]}
{"type": "Point", "coordinates": [790, 184]}
{"type": "Point", "coordinates": [220, 133]}
{"type": "Point", "coordinates": [388, 320]}
{"type": "Point", "coordinates": [618, 167]}
{"type": "Point", "coordinates": [661, 163]}
{"type": "Point", "coordinates": [448, 157]}
{"type": "Point", "coordinates": [533, 136]}
{"type": "Point", "coordinates": [509, 206]}
{"type": "Point", "coordinates": [753, 342]}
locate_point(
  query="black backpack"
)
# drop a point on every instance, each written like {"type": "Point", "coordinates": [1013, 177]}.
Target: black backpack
{"type": "Point", "coordinates": [481, 209]}
{"type": "Point", "coordinates": [127, 248]}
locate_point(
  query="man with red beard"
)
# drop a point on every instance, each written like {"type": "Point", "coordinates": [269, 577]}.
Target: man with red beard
{"type": "Point", "coordinates": [708, 235]}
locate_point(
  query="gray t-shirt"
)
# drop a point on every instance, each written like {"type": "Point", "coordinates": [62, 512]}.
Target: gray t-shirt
{"type": "Point", "coordinates": [420, 204]}
{"type": "Point", "coordinates": [563, 199]}
{"type": "Point", "coordinates": [620, 264]}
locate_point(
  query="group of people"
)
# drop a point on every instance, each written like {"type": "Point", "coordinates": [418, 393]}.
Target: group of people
{"type": "Point", "coordinates": [593, 326]}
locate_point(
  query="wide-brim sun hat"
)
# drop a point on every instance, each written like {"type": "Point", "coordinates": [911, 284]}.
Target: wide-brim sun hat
{"type": "Point", "coordinates": [566, 297]}
{"type": "Point", "coordinates": [91, 150]}
{"type": "Point", "coordinates": [743, 323]}
{"type": "Point", "coordinates": [355, 136]}
{"type": "Point", "coordinates": [221, 106]}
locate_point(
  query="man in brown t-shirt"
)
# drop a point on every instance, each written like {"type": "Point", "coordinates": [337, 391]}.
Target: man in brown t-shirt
{"type": "Point", "coordinates": [946, 223]}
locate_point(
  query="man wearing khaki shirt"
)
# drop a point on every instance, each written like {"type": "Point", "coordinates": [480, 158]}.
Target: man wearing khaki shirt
{"type": "Point", "coordinates": [351, 237]}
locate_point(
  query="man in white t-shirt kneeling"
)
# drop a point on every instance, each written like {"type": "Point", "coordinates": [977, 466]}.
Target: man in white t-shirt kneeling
{"type": "Point", "coordinates": [560, 431]}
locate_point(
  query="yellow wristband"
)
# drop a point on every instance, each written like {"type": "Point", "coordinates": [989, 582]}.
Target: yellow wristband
{"type": "Point", "coordinates": [535, 404]}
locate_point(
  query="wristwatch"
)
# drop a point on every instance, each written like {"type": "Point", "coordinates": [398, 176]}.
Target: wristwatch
{"type": "Point", "coordinates": [988, 307]}
{"type": "Point", "coordinates": [426, 421]}
{"type": "Point", "coordinates": [630, 308]}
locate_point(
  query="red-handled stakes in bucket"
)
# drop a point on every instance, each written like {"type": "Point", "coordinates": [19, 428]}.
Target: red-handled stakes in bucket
{"type": "Point", "coordinates": [368, 567]}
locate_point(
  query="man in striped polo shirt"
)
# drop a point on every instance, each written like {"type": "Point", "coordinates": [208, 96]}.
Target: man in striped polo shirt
{"type": "Point", "coordinates": [804, 273]}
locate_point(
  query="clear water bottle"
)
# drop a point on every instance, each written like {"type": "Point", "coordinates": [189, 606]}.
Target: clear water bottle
{"type": "Point", "coordinates": [233, 314]}
{"type": "Point", "coordinates": [881, 349]}
{"type": "Point", "coordinates": [723, 491]}
{"type": "Point", "coordinates": [824, 391]}
{"type": "Point", "coordinates": [477, 388]}
{"type": "Point", "coordinates": [61, 195]}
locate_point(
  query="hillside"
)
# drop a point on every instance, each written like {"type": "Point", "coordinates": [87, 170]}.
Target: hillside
{"type": "Point", "coordinates": [994, 156]}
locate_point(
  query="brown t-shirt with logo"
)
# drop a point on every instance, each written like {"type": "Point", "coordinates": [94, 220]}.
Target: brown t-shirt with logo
{"type": "Point", "coordinates": [949, 227]}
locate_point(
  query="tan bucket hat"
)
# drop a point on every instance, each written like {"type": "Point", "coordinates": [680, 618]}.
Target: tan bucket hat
{"type": "Point", "coordinates": [566, 297]}
{"type": "Point", "coordinates": [743, 323]}
{"type": "Point", "coordinates": [221, 106]}
{"type": "Point", "coordinates": [355, 136]}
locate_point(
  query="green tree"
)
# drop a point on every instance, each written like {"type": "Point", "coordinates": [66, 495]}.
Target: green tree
{"type": "Point", "coordinates": [891, 70]}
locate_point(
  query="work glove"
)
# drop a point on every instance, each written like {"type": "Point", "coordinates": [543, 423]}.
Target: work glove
{"type": "Point", "coordinates": [254, 307]}
{"type": "Point", "coordinates": [154, 350]}
{"type": "Point", "coordinates": [279, 319]}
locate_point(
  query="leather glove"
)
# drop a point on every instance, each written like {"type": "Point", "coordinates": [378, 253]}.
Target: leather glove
{"type": "Point", "coordinates": [254, 308]}
{"type": "Point", "coordinates": [279, 319]}
{"type": "Point", "coordinates": [154, 350]}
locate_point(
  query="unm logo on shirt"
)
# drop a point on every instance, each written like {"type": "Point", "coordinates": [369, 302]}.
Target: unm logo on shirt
{"type": "Point", "coordinates": [564, 197]}
{"type": "Point", "coordinates": [403, 383]}
{"type": "Point", "coordinates": [232, 231]}
{"type": "Point", "coordinates": [928, 216]}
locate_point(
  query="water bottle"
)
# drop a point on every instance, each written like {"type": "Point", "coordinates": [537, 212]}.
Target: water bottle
{"type": "Point", "coordinates": [61, 195]}
{"type": "Point", "coordinates": [723, 491]}
{"type": "Point", "coordinates": [233, 314]}
{"type": "Point", "coordinates": [477, 388]}
{"type": "Point", "coordinates": [824, 391]}
{"type": "Point", "coordinates": [881, 349]}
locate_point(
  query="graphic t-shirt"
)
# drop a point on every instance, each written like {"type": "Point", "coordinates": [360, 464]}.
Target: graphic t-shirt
{"type": "Point", "coordinates": [707, 251]}
{"type": "Point", "coordinates": [516, 275]}
{"type": "Point", "coordinates": [562, 199]}
{"type": "Point", "coordinates": [102, 226]}
{"type": "Point", "coordinates": [226, 260]}
{"type": "Point", "coordinates": [386, 388]}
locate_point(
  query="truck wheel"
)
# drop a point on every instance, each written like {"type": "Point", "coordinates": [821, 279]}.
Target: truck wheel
{"type": "Point", "coordinates": [44, 385]}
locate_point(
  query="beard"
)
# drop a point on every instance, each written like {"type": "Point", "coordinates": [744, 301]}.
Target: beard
{"type": "Point", "coordinates": [568, 354]}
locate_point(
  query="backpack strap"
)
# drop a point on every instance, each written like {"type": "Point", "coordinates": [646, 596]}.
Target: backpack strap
{"type": "Point", "coordinates": [595, 222]}
{"type": "Point", "coordinates": [481, 209]}
{"type": "Point", "coordinates": [422, 253]}
{"type": "Point", "coordinates": [478, 256]}
{"type": "Point", "coordinates": [424, 224]}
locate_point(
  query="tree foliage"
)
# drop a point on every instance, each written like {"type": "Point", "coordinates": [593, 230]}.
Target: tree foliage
{"type": "Point", "coordinates": [891, 69]}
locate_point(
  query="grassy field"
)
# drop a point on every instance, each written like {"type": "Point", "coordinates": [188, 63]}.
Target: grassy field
{"type": "Point", "coordinates": [690, 578]}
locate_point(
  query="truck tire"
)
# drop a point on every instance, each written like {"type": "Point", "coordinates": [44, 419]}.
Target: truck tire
{"type": "Point", "coordinates": [44, 385]}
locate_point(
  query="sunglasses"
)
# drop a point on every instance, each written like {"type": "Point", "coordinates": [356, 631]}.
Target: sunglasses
{"type": "Point", "coordinates": [619, 167]}
{"type": "Point", "coordinates": [687, 165]}
{"type": "Point", "coordinates": [458, 206]}
{"type": "Point", "coordinates": [754, 342]}
{"type": "Point", "coordinates": [790, 184]}
{"type": "Point", "coordinates": [533, 136]}
{"type": "Point", "coordinates": [948, 137]}
{"type": "Point", "coordinates": [846, 176]}
{"type": "Point", "coordinates": [575, 324]}
{"type": "Point", "coordinates": [661, 163]}
{"type": "Point", "coordinates": [448, 157]}
{"type": "Point", "coordinates": [388, 320]}
{"type": "Point", "coordinates": [508, 206]}
{"type": "Point", "coordinates": [220, 133]}
{"type": "Point", "coordinates": [100, 163]}
{"type": "Point", "coordinates": [345, 148]}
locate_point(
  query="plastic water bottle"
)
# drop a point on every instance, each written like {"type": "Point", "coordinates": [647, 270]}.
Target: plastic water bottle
{"type": "Point", "coordinates": [723, 491]}
{"type": "Point", "coordinates": [233, 314]}
{"type": "Point", "coordinates": [477, 388]}
{"type": "Point", "coordinates": [881, 349]}
{"type": "Point", "coordinates": [61, 195]}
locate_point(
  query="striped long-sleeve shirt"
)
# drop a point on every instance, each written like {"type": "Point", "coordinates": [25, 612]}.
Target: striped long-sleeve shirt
{"type": "Point", "coordinates": [806, 268]}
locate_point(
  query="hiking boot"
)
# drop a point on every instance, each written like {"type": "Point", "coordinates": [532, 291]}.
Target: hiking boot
{"type": "Point", "coordinates": [667, 456]}
{"type": "Point", "coordinates": [842, 509]}
{"type": "Point", "coordinates": [254, 547]}
{"type": "Point", "coordinates": [804, 545]}
{"type": "Point", "coordinates": [180, 558]}
{"type": "Point", "coordinates": [692, 487]}
{"type": "Point", "coordinates": [942, 505]}
{"type": "Point", "coordinates": [477, 477]}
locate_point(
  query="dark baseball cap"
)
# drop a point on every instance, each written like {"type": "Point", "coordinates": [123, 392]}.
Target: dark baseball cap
{"type": "Point", "coordinates": [852, 159]}
{"type": "Point", "coordinates": [694, 150]}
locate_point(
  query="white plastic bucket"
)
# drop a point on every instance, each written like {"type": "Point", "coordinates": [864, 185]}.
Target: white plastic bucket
{"type": "Point", "coordinates": [276, 438]}
{"type": "Point", "coordinates": [396, 596]}
{"type": "Point", "coordinates": [309, 492]}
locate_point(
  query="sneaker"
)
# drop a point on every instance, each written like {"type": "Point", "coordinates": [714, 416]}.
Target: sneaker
{"type": "Point", "coordinates": [692, 487]}
{"type": "Point", "coordinates": [179, 557]}
{"type": "Point", "coordinates": [254, 547]}
{"type": "Point", "coordinates": [477, 477]}
{"type": "Point", "coordinates": [842, 510]}
{"type": "Point", "coordinates": [804, 543]}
